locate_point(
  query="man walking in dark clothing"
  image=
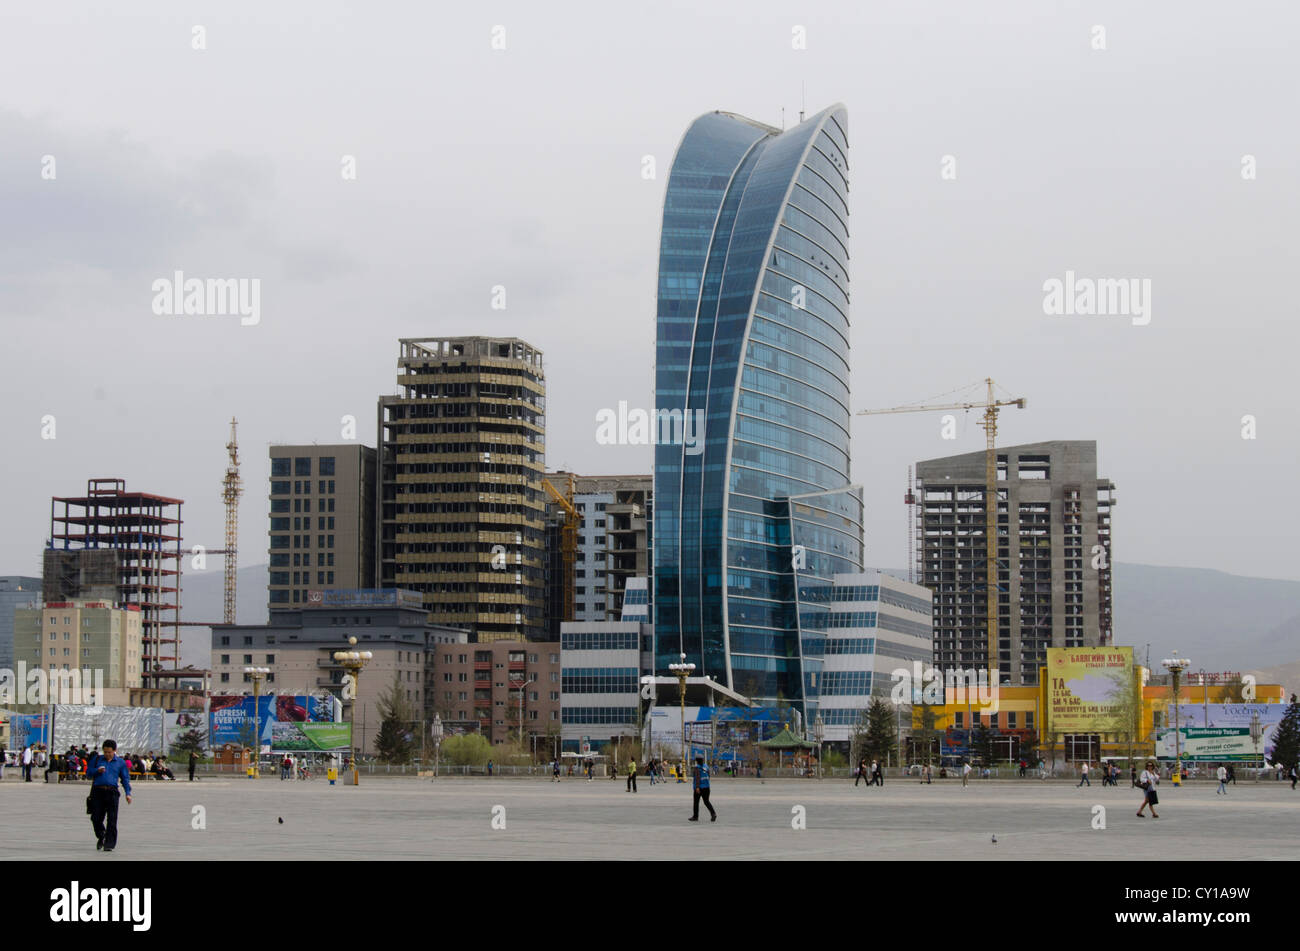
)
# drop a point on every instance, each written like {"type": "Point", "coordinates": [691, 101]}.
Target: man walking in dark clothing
{"type": "Point", "coordinates": [700, 788]}
{"type": "Point", "coordinates": [862, 774]}
{"type": "Point", "coordinates": [877, 774]}
{"type": "Point", "coordinates": [194, 762]}
{"type": "Point", "coordinates": [105, 773]}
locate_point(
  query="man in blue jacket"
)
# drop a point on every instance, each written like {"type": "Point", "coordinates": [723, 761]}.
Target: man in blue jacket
{"type": "Point", "coordinates": [105, 772]}
{"type": "Point", "coordinates": [700, 787]}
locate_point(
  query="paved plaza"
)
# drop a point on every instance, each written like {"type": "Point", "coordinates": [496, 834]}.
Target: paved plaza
{"type": "Point", "coordinates": [408, 818]}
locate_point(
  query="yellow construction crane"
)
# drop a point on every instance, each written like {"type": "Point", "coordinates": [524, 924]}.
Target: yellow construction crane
{"type": "Point", "coordinates": [990, 425]}
{"type": "Point", "coordinates": [231, 489]}
{"type": "Point", "coordinates": [568, 539]}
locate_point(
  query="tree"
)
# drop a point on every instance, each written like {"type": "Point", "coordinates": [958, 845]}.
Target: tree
{"type": "Point", "coordinates": [552, 740]}
{"type": "Point", "coordinates": [1125, 701]}
{"type": "Point", "coordinates": [881, 739]}
{"type": "Point", "coordinates": [982, 748]}
{"type": "Point", "coordinates": [1286, 738]}
{"type": "Point", "coordinates": [1029, 748]}
{"type": "Point", "coordinates": [924, 731]}
{"type": "Point", "coordinates": [191, 741]}
{"type": "Point", "coordinates": [248, 736]}
{"type": "Point", "coordinates": [468, 749]}
{"type": "Point", "coordinates": [395, 742]}
{"type": "Point", "coordinates": [858, 738]}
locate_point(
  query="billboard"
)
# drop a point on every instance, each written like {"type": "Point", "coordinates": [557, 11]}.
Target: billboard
{"type": "Point", "coordinates": [26, 729]}
{"type": "Point", "coordinates": [231, 717]}
{"type": "Point", "coordinates": [1223, 733]}
{"type": "Point", "coordinates": [298, 736]}
{"type": "Point", "coordinates": [1084, 686]}
{"type": "Point", "coordinates": [365, 598]}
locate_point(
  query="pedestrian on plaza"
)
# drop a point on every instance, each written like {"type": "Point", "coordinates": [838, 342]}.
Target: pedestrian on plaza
{"type": "Point", "coordinates": [1232, 775]}
{"type": "Point", "coordinates": [965, 772]}
{"type": "Point", "coordinates": [877, 774]}
{"type": "Point", "coordinates": [106, 771]}
{"type": "Point", "coordinates": [862, 774]}
{"type": "Point", "coordinates": [1222, 773]}
{"type": "Point", "coordinates": [489, 768]}
{"type": "Point", "coordinates": [286, 767]}
{"type": "Point", "coordinates": [1295, 775]}
{"type": "Point", "coordinates": [1023, 766]}
{"type": "Point", "coordinates": [555, 770]}
{"type": "Point", "coordinates": [1085, 777]}
{"type": "Point", "coordinates": [631, 775]}
{"type": "Point", "coordinates": [194, 762]}
{"type": "Point", "coordinates": [29, 754]}
{"type": "Point", "coordinates": [758, 766]}
{"type": "Point", "coordinates": [700, 790]}
{"type": "Point", "coordinates": [1149, 780]}
{"type": "Point", "coordinates": [3, 754]}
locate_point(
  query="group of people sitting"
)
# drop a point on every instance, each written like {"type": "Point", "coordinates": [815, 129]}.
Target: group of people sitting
{"type": "Point", "coordinates": [73, 764]}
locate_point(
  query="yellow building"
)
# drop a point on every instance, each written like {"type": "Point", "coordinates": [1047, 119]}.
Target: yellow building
{"type": "Point", "coordinates": [1017, 714]}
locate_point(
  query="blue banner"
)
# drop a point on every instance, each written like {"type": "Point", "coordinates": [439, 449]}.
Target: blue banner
{"type": "Point", "coordinates": [231, 717]}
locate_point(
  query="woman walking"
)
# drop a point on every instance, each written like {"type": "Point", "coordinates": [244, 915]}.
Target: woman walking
{"type": "Point", "coordinates": [1149, 779]}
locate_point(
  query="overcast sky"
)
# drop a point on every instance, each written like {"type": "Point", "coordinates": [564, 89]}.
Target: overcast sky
{"type": "Point", "coordinates": [522, 167]}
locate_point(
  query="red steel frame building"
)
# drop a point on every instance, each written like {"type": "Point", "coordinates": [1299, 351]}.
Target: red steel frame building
{"type": "Point", "coordinates": [145, 530]}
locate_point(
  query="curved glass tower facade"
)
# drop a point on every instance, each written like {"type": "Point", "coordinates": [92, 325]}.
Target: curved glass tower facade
{"type": "Point", "coordinates": [753, 338]}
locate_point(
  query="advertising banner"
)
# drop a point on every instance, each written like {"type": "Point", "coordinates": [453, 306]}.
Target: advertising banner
{"type": "Point", "coordinates": [25, 729]}
{"type": "Point", "coordinates": [310, 737]}
{"type": "Point", "coordinates": [1085, 687]}
{"type": "Point", "coordinates": [1222, 731]}
{"type": "Point", "coordinates": [231, 717]}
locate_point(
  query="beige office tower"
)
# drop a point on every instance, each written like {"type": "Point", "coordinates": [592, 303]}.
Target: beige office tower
{"type": "Point", "coordinates": [322, 522]}
{"type": "Point", "coordinates": [461, 507]}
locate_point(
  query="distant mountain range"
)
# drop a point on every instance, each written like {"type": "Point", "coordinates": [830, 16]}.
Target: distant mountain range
{"type": "Point", "coordinates": [1219, 621]}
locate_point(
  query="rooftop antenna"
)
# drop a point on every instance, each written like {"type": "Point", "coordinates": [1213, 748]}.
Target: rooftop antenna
{"type": "Point", "coordinates": [803, 98]}
{"type": "Point", "coordinates": [783, 118]}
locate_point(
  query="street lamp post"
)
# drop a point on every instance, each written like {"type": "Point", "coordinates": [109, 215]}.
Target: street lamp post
{"type": "Point", "coordinates": [258, 674]}
{"type": "Point", "coordinates": [1176, 665]}
{"type": "Point", "coordinates": [522, 686]}
{"type": "Point", "coordinates": [1205, 698]}
{"type": "Point", "coordinates": [1256, 732]}
{"type": "Point", "coordinates": [353, 662]}
{"type": "Point", "coordinates": [681, 671]}
{"type": "Point", "coordinates": [437, 742]}
{"type": "Point", "coordinates": [819, 731]}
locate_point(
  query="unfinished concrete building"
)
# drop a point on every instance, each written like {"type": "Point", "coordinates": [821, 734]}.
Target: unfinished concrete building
{"type": "Point", "coordinates": [460, 509]}
{"type": "Point", "coordinates": [1054, 555]}
{"type": "Point", "coordinates": [613, 544]}
{"type": "Point", "coordinates": [123, 548]}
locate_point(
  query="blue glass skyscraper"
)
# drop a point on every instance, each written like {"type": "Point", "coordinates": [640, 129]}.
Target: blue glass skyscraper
{"type": "Point", "coordinates": [753, 336]}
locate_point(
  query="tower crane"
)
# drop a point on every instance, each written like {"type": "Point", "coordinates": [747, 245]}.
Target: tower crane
{"type": "Point", "coordinates": [231, 490]}
{"type": "Point", "coordinates": [568, 539]}
{"type": "Point", "coordinates": [989, 423]}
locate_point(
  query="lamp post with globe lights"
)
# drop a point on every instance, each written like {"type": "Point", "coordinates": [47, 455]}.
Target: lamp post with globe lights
{"type": "Point", "coordinates": [681, 671]}
{"type": "Point", "coordinates": [1176, 665]}
{"type": "Point", "coordinates": [1256, 733]}
{"type": "Point", "coordinates": [353, 662]}
{"type": "Point", "coordinates": [819, 731]}
{"type": "Point", "coordinates": [258, 674]}
{"type": "Point", "coordinates": [437, 742]}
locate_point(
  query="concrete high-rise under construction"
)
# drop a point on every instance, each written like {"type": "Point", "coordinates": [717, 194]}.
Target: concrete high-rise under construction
{"type": "Point", "coordinates": [1054, 555]}
{"type": "Point", "coordinates": [122, 548]}
{"type": "Point", "coordinates": [460, 512]}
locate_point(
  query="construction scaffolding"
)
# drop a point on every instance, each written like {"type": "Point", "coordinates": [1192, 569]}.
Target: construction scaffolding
{"type": "Point", "coordinates": [123, 545]}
